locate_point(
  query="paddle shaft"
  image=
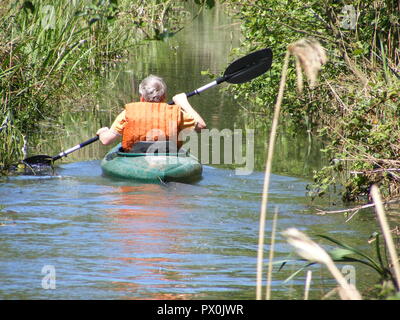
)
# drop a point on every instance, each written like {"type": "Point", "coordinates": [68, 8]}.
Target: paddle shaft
{"type": "Point", "coordinates": [77, 147]}
{"type": "Point", "coordinates": [203, 88]}
{"type": "Point", "coordinates": [207, 86]}
{"type": "Point", "coordinates": [241, 70]}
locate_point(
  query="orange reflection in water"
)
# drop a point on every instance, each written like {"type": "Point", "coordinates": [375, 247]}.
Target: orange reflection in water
{"type": "Point", "coordinates": [148, 228]}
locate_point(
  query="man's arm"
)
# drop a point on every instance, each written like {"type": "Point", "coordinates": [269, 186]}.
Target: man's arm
{"type": "Point", "coordinates": [181, 99]}
{"type": "Point", "coordinates": [107, 136]}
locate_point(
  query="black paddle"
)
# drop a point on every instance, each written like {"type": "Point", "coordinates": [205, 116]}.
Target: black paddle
{"type": "Point", "coordinates": [47, 160]}
{"type": "Point", "coordinates": [240, 71]}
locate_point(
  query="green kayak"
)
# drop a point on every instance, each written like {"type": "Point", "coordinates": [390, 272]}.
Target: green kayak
{"type": "Point", "coordinates": [151, 167]}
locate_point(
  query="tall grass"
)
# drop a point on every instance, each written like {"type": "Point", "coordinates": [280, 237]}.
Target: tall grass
{"type": "Point", "coordinates": [50, 49]}
{"type": "Point", "coordinates": [310, 250]}
{"type": "Point", "coordinates": [268, 166]}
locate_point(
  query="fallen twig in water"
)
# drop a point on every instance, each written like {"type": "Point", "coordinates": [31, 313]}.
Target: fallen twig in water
{"type": "Point", "coordinates": [355, 209]}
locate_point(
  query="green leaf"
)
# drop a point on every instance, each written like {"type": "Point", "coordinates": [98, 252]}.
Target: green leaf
{"type": "Point", "coordinates": [354, 250]}
{"type": "Point", "coordinates": [297, 272]}
{"type": "Point", "coordinates": [340, 253]}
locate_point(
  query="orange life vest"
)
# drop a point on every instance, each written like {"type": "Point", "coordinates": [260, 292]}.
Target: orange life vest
{"type": "Point", "coordinates": [151, 121]}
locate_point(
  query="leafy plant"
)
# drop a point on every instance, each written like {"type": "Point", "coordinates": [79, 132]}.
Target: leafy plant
{"type": "Point", "coordinates": [345, 253]}
{"type": "Point", "coordinates": [355, 110]}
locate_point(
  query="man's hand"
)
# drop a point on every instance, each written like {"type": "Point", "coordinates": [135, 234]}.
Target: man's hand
{"type": "Point", "coordinates": [102, 130]}
{"type": "Point", "coordinates": [106, 135]}
{"type": "Point", "coordinates": [182, 100]}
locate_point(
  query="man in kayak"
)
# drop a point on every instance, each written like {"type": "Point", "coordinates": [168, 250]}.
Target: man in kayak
{"type": "Point", "coordinates": [152, 119]}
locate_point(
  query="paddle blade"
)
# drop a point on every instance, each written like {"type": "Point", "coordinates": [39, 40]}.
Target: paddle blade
{"type": "Point", "coordinates": [39, 160]}
{"type": "Point", "coordinates": [249, 67]}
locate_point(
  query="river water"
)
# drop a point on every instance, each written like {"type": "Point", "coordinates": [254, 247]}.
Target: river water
{"type": "Point", "coordinates": [76, 234]}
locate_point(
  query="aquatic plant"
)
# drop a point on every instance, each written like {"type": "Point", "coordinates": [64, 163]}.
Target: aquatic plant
{"type": "Point", "coordinates": [310, 250]}
{"type": "Point", "coordinates": [387, 269]}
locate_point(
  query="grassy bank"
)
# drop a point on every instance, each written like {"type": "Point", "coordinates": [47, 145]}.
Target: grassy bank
{"type": "Point", "coordinates": [53, 52]}
{"type": "Point", "coordinates": [356, 105]}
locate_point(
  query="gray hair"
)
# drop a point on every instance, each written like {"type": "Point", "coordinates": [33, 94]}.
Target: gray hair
{"type": "Point", "coordinates": [153, 89]}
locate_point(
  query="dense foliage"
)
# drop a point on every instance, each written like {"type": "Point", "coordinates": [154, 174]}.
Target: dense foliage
{"type": "Point", "coordinates": [356, 106]}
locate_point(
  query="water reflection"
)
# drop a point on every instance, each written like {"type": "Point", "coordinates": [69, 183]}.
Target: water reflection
{"type": "Point", "coordinates": [146, 227]}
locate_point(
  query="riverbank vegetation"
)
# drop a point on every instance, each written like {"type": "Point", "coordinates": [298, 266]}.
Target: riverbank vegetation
{"type": "Point", "coordinates": [349, 131]}
{"type": "Point", "coordinates": [309, 57]}
{"type": "Point", "coordinates": [54, 54]}
{"type": "Point", "coordinates": [355, 108]}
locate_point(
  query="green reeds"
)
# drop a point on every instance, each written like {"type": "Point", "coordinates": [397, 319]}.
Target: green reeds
{"type": "Point", "coordinates": [12, 142]}
{"type": "Point", "coordinates": [49, 50]}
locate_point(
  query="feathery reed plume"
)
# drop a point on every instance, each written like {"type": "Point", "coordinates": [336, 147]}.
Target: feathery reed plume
{"type": "Point", "coordinates": [386, 232]}
{"type": "Point", "coordinates": [310, 250]}
{"type": "Point", "coordinates": [305, 247]}
{"type": "Point", "coordinates": [310, 56]}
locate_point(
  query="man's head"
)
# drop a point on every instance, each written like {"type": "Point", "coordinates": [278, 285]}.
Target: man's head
{"type": "Point", "coordinates": [153, 89]}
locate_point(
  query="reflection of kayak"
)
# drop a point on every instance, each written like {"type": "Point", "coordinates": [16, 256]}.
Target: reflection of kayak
{"type": "Point", "coordinates": [151, 166]}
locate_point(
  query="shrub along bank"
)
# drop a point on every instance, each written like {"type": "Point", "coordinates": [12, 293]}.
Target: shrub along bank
{"type": "Point", "coordinates": [356, 106]}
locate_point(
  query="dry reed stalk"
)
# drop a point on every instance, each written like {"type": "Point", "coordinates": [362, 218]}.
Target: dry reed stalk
{"type": "Point", "coordinates": [330, 293]}
{"type": "Point", "coordinates": [310, 56]}
{"type": "Point", "coordinates": [310, 250]}
{"type": "Point", "coordinates": [268, 166]}
{"type": "Point", "coordinates": [308, 283]}
{"type": "Point", "coordinates": [386, 232]}
{"type": "Point", "coordinates": [271, 256]}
